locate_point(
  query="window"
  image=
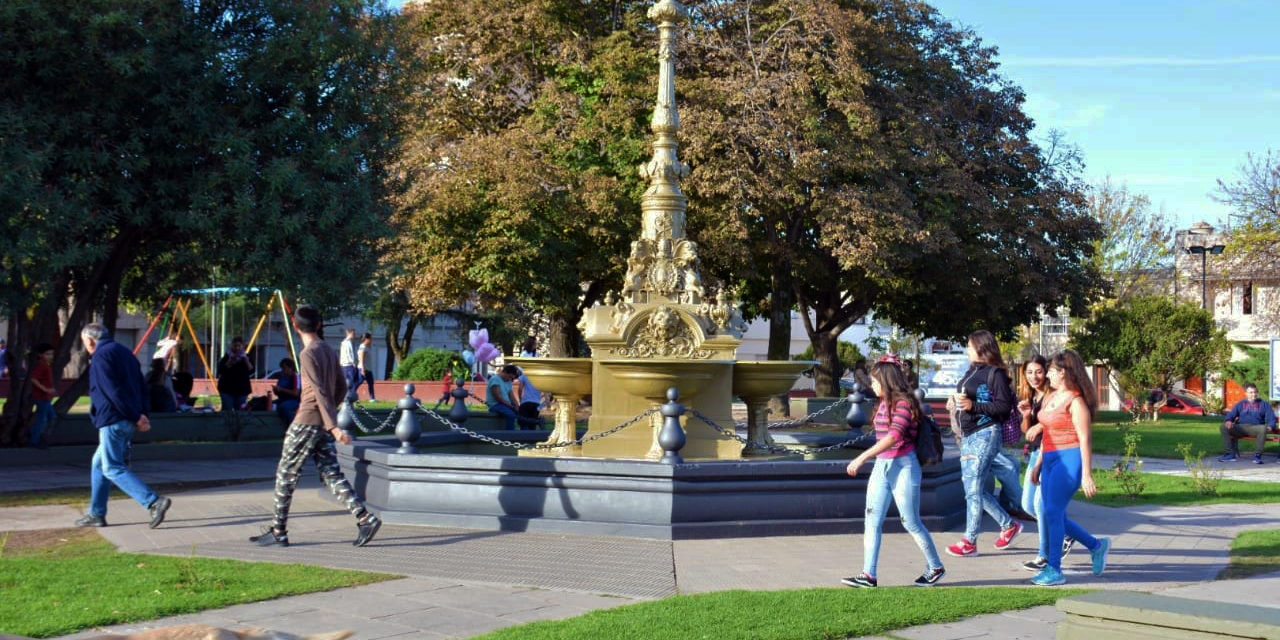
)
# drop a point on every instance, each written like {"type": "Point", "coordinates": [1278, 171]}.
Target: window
{"type": "Point", "coordinates": [1052, 326]}
{"type": "Point", "coordinates": [1246, 299]}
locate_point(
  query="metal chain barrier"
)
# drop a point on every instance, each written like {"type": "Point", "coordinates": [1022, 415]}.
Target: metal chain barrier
{"type": "Point", "coordinates": [795, 422]}
{"type": "Point", "coordinates": [389, 421]}
{"type": "Point", "coordinates": [772, 448]}
{"type": "Point", "coordinates": [523, 445]}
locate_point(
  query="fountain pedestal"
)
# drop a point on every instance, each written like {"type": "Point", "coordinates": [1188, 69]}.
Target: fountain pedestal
{"type": "Point", "coordinates": [568, 379]}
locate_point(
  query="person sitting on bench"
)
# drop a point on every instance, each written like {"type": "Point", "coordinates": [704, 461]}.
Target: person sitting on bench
{"type": "Point", "coordinates": [1250, 417]}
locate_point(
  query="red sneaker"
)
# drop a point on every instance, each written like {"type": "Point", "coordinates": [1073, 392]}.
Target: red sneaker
{"type": "Point", "coordinates": [1007, 535]}
{"type": "Point", "coordinates": [963, 548]}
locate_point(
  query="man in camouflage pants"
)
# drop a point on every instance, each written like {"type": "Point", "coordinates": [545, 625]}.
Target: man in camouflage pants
{"type": "Point", "coordinates": [313, 432]}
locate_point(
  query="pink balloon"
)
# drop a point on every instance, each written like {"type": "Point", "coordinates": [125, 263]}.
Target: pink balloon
{"type": "Point", "coordinates": [486, 352]}
{"type": "Point", "coordinates": [478, 337]}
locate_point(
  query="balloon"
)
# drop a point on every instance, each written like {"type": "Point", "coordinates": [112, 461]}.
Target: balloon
{"type": "Point", "coordinates": [468, 357]}
{"type": "Point", "coordinates": [478, 338]}
{"type": "Point", "coordinates": [486, 352]}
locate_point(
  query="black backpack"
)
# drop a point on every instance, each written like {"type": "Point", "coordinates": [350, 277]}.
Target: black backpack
{"type": "Point", "coordinates": [928, 442]}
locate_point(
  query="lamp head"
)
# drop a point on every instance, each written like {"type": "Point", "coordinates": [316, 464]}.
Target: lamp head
{"type": "Point", "coordinates": [1216, 249]}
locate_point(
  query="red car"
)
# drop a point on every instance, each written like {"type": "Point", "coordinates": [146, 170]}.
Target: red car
{"type": "Point", "coordinates": [1178, 404]}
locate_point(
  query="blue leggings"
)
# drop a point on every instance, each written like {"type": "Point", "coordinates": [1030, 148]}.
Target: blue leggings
{"type": "Point", "coordinates": [1060, 475]}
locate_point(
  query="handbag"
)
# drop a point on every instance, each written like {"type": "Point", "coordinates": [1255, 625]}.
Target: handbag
{"type": "Point", "coordinates": [1011, 428]}
{"type": "Point", "coordinates": [928, 442]}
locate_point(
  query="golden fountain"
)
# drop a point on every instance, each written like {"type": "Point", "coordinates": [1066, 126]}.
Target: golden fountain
{"type": "Point", "coordinates": [662, 330]}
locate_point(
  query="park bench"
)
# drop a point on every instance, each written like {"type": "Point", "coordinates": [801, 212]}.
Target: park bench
{"type": "Point", "coordinates": [1131, 615]}
{"type": "Point", "coordinates": [1272, 436]}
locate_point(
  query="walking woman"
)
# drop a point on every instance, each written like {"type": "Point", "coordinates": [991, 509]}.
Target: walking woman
{"type": "Point", "coordinates": [1065, 464]}
{"type": "Point", "coordinates": [896, 474]}
{"type": "Point", "coordinates": [1032, 390]}
{"type": "Point", "coordinates": [981, 403]}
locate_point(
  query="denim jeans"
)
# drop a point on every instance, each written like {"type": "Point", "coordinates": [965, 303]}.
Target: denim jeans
{"type": "Point", "coordinates": [1033, 503]}
{"type": "Point", "coordinates": [1060, 476]}
{"type": "Point", "coordinates": [977, 450]}
{"type": "Point", "coordinates": [508, 415]}
{"type": "Point", "coordinates": [1005, 469]}
{"type": "Point", "coordinates": [111, 466]}
{"type": "Point", "coordinates": [232, 403]}
{"type": "Point", "coordinates": [44, 414]}
{"type": "Point", "coordinates": [898, 478]}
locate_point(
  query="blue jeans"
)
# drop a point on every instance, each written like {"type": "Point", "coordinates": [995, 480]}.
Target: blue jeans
{"type": "Point", "coordinates": [898, 478]}
{"type": "Point", "coordinates": [977, 450]}
{"type": "Point", "coordinates": [44, 414]}
{"type": "Point", "coordinates": [1033, 503]}
{"type": "Point", "coordinates": [111, 466]}
{"type": "Point", "coordinates": [508, 414]}
{"type": "Point", "coordinates": [232, 403]}
{"type": "Point", "coordinates": [1060, 475]}
{"type": "Point", "coordinates": [1005, 469]}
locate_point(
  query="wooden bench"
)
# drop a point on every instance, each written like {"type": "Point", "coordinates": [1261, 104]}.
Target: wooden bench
{"type": "Point", "coordinates": [1272, 436]}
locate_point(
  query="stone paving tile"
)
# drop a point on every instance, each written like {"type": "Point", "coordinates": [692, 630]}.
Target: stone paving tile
{"type": "Point", "coordinates": [324, 621]}
{"type": "Point", "coordinates": [449, 621]}
{"type": "Point", "coordinates": [52, 516]}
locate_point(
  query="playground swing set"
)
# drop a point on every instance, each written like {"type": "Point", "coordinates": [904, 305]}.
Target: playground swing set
{"type": "Point", "coordinates": [174, 315]}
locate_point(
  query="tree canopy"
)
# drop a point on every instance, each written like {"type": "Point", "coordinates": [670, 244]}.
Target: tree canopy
{"type": "Point", "coordinates": [1135, 247]}
{"type": "Point", "coordinates": [847, 155]}
{"type": "Point", "coordinates": [1153, 341]}
{"type": "Point", "coordinates": [152, 144]}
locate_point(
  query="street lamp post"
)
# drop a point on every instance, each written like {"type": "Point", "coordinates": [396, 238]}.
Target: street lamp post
{"type": "Point", "coordinates": [1204, 251]}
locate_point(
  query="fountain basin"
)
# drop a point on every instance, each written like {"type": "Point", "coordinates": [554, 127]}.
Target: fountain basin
{"type": "Point", "coordinates": [764, 378]}
{"type": "Point", "coordinates": [629, 498]}
{"type": "Point", "coordinates": [558, 376]}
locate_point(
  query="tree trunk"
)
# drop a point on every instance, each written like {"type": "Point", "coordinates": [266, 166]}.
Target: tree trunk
{"type": "Point", "coordinates": [825, 378]}
{"type": "Point", "coordinates": [563, 337]}
{"type": "Point", "coordinates": [398, 346]}
{"type": "Point", "coordinates": [781, 301]}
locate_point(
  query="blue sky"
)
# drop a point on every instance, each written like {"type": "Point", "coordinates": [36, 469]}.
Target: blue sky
{"type": "Point", "coordinates": [1164, 97]}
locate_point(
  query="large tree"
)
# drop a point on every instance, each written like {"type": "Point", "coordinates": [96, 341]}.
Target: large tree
{"type": "Point", "coordinates": [1153, 342]}
{"type": "Point", "coordinates": [152, 144]}
{"type": "Point", "coordinates": [527, 122]}
{"type": "Point", "coordinates": [872, 156]}
{"type": "Point", "coordinates": [1135, 248]}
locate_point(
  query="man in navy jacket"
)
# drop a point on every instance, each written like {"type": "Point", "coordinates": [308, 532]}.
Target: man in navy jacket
{"type": "Point", "coordinates": [118, 407]}
{"type": "Point", "coordinates": [1250, 417]}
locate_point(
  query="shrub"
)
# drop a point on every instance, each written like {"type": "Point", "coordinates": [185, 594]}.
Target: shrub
{"type": "Point", "coordinates": [1204, 478]}
{"type": "Point", "coordinates": [1128, 469]}
{"type": "Point", "coordinates": [427, 364]}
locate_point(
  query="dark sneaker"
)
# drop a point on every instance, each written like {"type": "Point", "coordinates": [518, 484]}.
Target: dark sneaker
{"type": "Point", "coordinates": [1067, 543]}
{"type": "Point", "coordinates": [930, 577]}
{"type": "Point", "coordinates": [1229, 457]}
{"type": "Point", "coordinates": [1007, 535]}
{"type": "Point", "coordinates": [270, 537]}
{"type": "Point", "coordinates": [158, 509]}
{"type": "Point", "coordinates": [90, 520]}
{"type": "Point", "coordinates": [861, 581]}
{"type": "Point", "coordinates": [1257, 458]}
{"type": "Point", "coordinates": [1022, 515]}
{"type": "Point", "coordinates": [1035, 565]}
{"type": "Point", "coordinates": [368, 529]}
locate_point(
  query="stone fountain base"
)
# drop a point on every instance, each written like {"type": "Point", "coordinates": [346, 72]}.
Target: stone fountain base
{"type": "Point", "coordinates": [629, 498]}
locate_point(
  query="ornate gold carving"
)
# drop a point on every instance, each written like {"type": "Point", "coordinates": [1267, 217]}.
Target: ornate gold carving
{"type": "Point", "coordinates": [665, 334]}
{"type": "Point", "coordinates": [668, 11]}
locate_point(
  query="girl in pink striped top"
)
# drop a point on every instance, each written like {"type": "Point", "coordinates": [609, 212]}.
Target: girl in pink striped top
{"type": "Point", "coordinates": [896, 475]}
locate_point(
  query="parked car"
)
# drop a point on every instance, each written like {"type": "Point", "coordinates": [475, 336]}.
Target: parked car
{"type": "Point", "coordinates": [1177, 404]}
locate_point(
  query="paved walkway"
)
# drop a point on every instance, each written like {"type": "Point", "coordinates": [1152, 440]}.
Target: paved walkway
{"type": "Point", "coordinates": [461, 583]}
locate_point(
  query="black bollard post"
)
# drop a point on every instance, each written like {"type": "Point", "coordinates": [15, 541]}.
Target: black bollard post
{"type": "Point", "coordinates": [347, 415]}
{"type": "Point", "coordinates": [458, 412]}
{"type": "Point", "coordinates": [407, 429]}
{"type": "Point", "coordinates": [671, 438]}
{"type": "Point", "coordinates": [856, 417]}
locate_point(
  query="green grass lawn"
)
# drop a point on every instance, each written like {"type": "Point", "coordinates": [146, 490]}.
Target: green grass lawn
{"type": "Point", "coordinates": [1253, 553]}
{"type": "Point", "coordinates": [1177, 490]}
{"type": "Point", "coordinates": [795, 614]}
{"type": "Point", "coordinates": [1159, 439]}
{"type": "Point", "coordinates": [72, 580]}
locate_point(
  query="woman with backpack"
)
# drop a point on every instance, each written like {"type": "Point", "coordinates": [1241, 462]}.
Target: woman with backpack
{"type": "Point", "coordinates": [1065, 464]}
{"type": "Point", "coordinates": [981, 403]}
{"type": "Point", "coordinates": [896, 475]}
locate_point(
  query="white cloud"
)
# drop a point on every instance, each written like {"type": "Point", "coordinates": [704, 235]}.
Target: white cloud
{"type": "Point", "coordinates": [1135, 61]}
{"type": "Point", "coordinates": [1050, 114]}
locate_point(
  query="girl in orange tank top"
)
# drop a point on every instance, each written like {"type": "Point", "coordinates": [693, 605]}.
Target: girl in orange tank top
{"type": "Point", "coordinates": [1055, 416]}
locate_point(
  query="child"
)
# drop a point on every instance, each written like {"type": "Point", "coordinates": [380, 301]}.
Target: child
{"type": "Point", "coordinates": [42, 393]}
{"type": "Point", "coordinates": [445, 387]}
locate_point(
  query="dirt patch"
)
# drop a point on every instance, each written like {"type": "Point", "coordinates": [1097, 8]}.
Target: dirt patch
{"type": "Point", "coordinates": [22, 542]}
